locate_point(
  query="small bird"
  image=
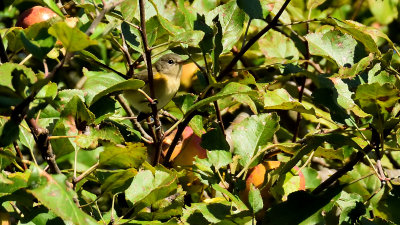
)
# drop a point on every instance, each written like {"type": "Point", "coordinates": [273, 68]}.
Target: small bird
{"type": "Point", "coordinates": [167, 73]}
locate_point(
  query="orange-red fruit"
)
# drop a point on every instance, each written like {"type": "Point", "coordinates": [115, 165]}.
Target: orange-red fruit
{"type": "Point", "coordinates": [185, 152]}
{"type": "Point", "coordinates": [34, 15]}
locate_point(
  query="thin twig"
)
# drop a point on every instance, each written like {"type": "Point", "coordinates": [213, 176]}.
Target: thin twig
{"type": "Point", "coordinates": [219, 116]}
{"type": "Point", "coordinates": [18, 150]}
{"type": "Point", "coordinates": [349, 166]}
{"type": "Point", "coordinates": [145, 137]}
{"type": "Point", "coordinates": [357, 9]}
{"type": "Point", "coordinates": [97, 20]}
{"type": "Point", "coordinates": [253, 40]}
{"type": "Point", "coordinates": [302, 84]}
{"type": "Point", "coordinates": [297, 22]}
{"type": "Point", "coordinates": [169, 115]}
{"type": "Point", "coordinates": [25, 59]}
{"type": "Point", "coordinates": [85, 174]}
{"type": "Point", "coordinates": [128, 57]}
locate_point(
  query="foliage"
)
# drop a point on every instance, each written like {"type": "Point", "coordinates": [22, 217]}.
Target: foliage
{"type": "Point", "coordinates": [293, 113]}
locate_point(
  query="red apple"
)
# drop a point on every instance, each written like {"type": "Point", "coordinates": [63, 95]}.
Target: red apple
{"type": "Point", "coordinates": [186, 150]}
{"type": "Point", "coordinates": [183, 156]}
{"type": "Point", "coordinates": [34, 15]}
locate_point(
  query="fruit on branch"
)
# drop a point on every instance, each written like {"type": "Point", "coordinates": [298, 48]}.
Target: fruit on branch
{"type": "Point", "coordinates": [183, 156]}
{"type": "Point", "coordinates": [34, 15]}
{"type": "Point", "coordinates": [258, 177]}
{"type": "Point", "coordinates": [186, 150]}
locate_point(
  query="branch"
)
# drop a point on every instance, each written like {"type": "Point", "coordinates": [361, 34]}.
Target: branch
{"type": "Point", "coordinates": [42, 140]}
{"type": "Point", "coordinates": [147, 53]}
{"type": "Point", "coordinates": [181, 128]}
{"type": "Point", "coordinates": [302, 83]}
{"type": "Point", "coordinates": [349, 166]}
{"type": "Point", "coordinates": [253, 40]}
{"type": "Point", "coordinates": [97, 20]}
{"type": "Point", "coordinates": [134, 121]}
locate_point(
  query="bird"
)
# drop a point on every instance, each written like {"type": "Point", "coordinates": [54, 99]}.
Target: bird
{"type": "Point", "coordinates": [167, 72]}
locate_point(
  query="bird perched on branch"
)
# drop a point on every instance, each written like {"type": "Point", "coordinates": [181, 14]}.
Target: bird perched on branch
{"type": "Point", "coordinates": [167, 73]}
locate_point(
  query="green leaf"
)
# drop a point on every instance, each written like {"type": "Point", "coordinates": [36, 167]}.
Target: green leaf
{"type": "Point", "coordinates": [97, 82]}
{"type": "Point", "coordinates": [378, 75]}
{"type": "Point", "coordinates": [9, 132]}
{"type": "Point", "coordinates": [105, 132]}
{"type": "Point", "coordinates": [231, 18]}
{"type": "Point", "coordinates": [128, 9]}
{"type": "Point", "coordinates": [26, 137]}
{"type": "Point", "coordinates": [312, 177]}
{"type": "Point", "coordinates": [230, 89]}
{"type": "Point", "coordinates": [299, 211]}
{"type": "Point", "coordinates": [329, 153]}
{"type": "Point", "coordinates": [312, 4]}
{"type": "Point", "coordinates": [384, 11]}
{"type": "Point", "coordinates": [12, 182]}
{"type": "Point", "coordinates": [216, 212]}
{"type": "Point", "coordinates": [345, 100]}
{"type": "Point", "coordinates": [214, 139]}
{"type": "Point", "coordinates": [52, 192]}
{"type": "Point", "coordinates": [217, 50]}
{"type": "Point", "coordinates": [356, 69]}
{"type": "Point", "coordinates": [64, 127]}
{"type": "Point", "coordinates": [191, 38]}
{"type": "Point", "coordinates": [252, 133]}
{"type": "Point", "coordinates": [281, 99]}
{"type": "Point", "coordinates": [53, 6]}
{"type": "Point", "coordinates": [13, 37]}
{"type": "Point", "coordinates": [123, 157]}
{"type": "Point", "coordinates": [255, 199]}
{"type": "Point", "coordinates": [77, 110]}
{"type": "Point", "coordinates": [131, 36]}
{"type": "Point", "coordinates": [390, 204]}
{"type": "Point", "coordinates": [48, 92]}
{"type": "Point", "coordinates": [148, 188]}
{"type": "Point", "coordinates": [339, 47]}
{"type": "Point", "coordinates": [358, 31]}
{"type": "Point", "coordinates": [119, 181]}
{"type": "Point", "coordinates": [219, 158]}
{"type": "Point", "coordinates": [37, 39]}
{"type": "Point", "coordinates": [132, 84]}
{"type": "Point", "coordinates": [72, 39]}
{"type": "Point", "coordinates": [252, 8]}
{"type": "Point", "coordinates": [352, 207]}
{"type": "Point", "coordinates": [275, 45]}
{"type": "Point", "coordinates": [375, 98]}
{"type": "Point", "coordinates": [9, 72]}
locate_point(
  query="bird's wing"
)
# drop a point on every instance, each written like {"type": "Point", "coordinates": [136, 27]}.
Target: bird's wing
{"type": "Point", "coordinates": [142, 75]}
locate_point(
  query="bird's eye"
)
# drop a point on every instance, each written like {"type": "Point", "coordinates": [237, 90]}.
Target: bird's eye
{"type": "Point", "coordinates": [170, 61]}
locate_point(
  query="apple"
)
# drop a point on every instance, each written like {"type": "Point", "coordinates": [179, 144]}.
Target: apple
{"type": "Point", "coordinates": [186, 150]}
{"type": "Point", "coordinates": [34, 15]}
{"type": "Point", "coordinates": [183, 156]}
{"type": "Point", "coordinates": [258, 177]}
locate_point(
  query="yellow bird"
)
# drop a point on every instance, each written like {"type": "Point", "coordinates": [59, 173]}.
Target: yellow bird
{"type": "Point", "coordinates": [167, 73]}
